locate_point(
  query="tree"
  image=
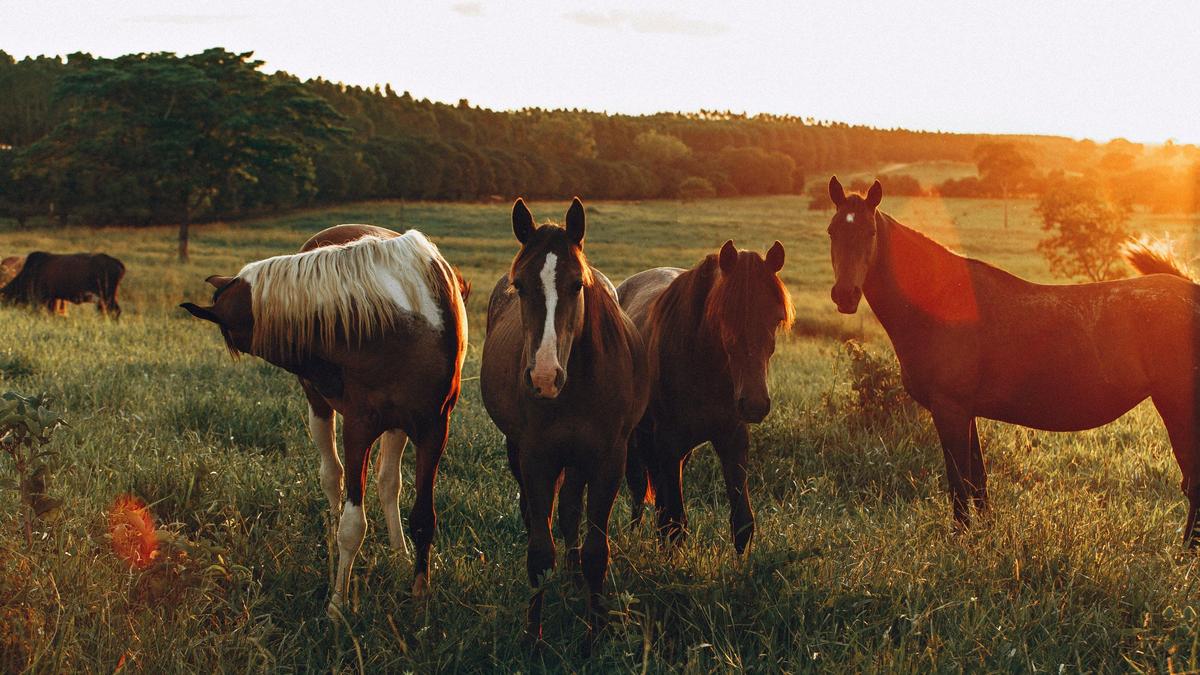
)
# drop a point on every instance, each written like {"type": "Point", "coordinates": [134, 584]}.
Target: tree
{"type": "Point", "coordinates": [695, 187]}
{"type": "Point", "coordinates": [1004, 165]}
{"type": "Point", "coordinates": [185, 129]}
{"type": "Point", "coordinates": [660, 149]}
{"type": "Point", "coordinates": [1084, 231]}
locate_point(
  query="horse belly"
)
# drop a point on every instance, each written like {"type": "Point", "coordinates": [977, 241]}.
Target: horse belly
{"type": "Point", "coordinates": [1063, 403]}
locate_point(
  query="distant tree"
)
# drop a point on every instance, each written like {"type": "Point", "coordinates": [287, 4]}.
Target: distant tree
{"type": "Point", "coordinates": [695, 187]}
{"type": "Point", "coordinates": [661, 149]}
{"type": "Point", "coordinates": [1004, 165]}
{"type": "Point", "coordinates": [1084, 232]}
{"type": "Point", "coordinates": [183, 129]}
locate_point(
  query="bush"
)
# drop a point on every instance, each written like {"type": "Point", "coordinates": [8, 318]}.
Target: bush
{"type": "Point", "coordinates": [877, 392]}
{"type": "Point", "coordinates": [695, 187]}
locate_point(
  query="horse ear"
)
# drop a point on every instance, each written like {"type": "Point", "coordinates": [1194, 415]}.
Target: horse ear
{"type": "Point", "coordinates": [218, 282]}
{"type": "Point", "coordinates": [575, 221]}
{"type": "Point", "coordinates": [728, 257]}
{"type": "Point", "coordinates": [522, 221]}
{"type": "Point", "coordinates": [775, 257]}
{"type": "Point", "coordinates": [875, 195]}
{"type": "Point", "coordinates": [836, 193]}
{"type": "Point", "coordinates": [202, 312]}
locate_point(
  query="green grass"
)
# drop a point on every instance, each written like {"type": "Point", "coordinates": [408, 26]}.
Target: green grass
{"type": "Point", "coordinates": [854, 566]}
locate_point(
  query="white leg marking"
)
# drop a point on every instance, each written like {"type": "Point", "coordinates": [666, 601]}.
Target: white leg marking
{"type": "Point", "coordinates": [322, 431]}
{"type": "Point", "coordinates": [387, 478]}
{"type": "Point", "coordinates": [352, 529]}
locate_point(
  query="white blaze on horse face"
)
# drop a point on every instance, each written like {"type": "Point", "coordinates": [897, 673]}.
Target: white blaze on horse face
{"type": "Point", "coordinates": [545, 360]}
{"type": "Point", "coordinates": [849, 217]}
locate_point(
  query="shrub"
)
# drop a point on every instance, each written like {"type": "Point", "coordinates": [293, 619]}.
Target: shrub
{"type": "Point", "coordinates": [876, 390]}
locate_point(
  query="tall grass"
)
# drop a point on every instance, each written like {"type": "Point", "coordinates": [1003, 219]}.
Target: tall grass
{"type": "Point", "coordinates": [854, 566]}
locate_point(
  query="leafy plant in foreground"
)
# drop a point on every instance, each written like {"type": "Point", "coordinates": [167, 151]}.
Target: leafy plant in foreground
{"type": "Point", "coordinates": [26, 425]}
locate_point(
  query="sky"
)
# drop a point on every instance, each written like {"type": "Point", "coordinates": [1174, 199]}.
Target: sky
{"type": "Point", "coordinates": [1098, 69]}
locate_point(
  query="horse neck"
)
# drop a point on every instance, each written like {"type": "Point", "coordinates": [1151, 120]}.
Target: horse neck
{"type": "Point", "coordinates": [912, 278]}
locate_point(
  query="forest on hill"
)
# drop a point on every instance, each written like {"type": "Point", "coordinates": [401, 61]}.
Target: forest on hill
{"type": "Point", "coordinates": [163, 138]}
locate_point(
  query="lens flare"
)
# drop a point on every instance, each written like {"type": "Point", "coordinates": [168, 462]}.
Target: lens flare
{"type": "Point", "coordinates": [132, 529]}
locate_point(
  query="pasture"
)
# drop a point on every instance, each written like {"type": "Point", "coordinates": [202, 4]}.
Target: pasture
{"type": "Point", "coordinates": [854, 565]}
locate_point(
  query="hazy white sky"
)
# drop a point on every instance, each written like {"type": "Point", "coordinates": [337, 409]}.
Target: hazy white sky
{"type": "Point", "coordinates": [1095, 69]}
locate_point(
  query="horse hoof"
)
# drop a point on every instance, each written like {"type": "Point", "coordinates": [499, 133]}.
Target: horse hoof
{"type": "Point", "coordinates": [420, 587]}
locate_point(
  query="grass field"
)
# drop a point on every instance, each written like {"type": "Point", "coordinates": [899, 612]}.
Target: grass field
{"type": "Point", "coordinates": [854, 566]}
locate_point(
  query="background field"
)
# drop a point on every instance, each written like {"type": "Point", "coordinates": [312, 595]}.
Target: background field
{"type": "Point", "coordinates": [854, 566]}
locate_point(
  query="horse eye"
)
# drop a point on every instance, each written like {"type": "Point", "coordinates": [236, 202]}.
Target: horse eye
{"type": "Point", "coordinates": [577, 287]}
{"type": "Point", "coordinates": [519, 288]}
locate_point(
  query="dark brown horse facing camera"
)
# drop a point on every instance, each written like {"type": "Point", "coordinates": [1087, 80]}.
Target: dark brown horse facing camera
{"type": "Point", "coordinates": [976, 341]}
{"type": "Point", "coordinates": [374, 325]}
{"type": "Point", "coordinates": [563, 379]}
{"type": "Point", "coordinates": [709, 334]}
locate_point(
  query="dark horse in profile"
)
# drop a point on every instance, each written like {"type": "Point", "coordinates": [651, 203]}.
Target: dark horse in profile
{"type": "Point", "coordinates": [374, 325]}
{"type": "Point", "coordinates": [563, 379]}
{"type": "Point", "coordinates": [51, 280]}
{"type": "Point", "coordinates": [976, 341]}
{"type": "Point", "coordinates": [709, 334]}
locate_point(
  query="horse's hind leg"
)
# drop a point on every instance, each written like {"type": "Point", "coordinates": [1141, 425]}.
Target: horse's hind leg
{"type": "Point", "coordinates": [422, 519]}
{"type": "Point", "coordinates": [977, 480]}
{"type": "Point", "coordinates": [733, 449]}
{"type": "Point", "coordinates": [352, 526]}
{"type": "Point", "coordinates": [387, 478]}
{"type": "Point", "coordinates": [954, 430]}
{"type": "Point", "coordinates": [637, 475]}
{"type": "Point", "coordinates": [1179, 416]}
{"type": "Point", "coordinates": [570, 510]}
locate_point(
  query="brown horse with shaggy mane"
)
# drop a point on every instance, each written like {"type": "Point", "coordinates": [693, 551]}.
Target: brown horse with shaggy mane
{"type": "Point", "coordinates": [562, 377]}
{"type": "Point", "coordinates": [374, 325]}
{"type": "Point", "coordinates": [710, 333]}
{"type": "Point", "coordinates": [976, 341]}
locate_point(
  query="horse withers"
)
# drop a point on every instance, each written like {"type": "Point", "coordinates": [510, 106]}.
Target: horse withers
{"type": "Point", "coordinates": [709, 334]}
{"type": "Point", "coordinates": [374, 325]}
{"type": "Point", "coordinates": [563, 379]}
{"type": "Point", "coordinates": [975, 341]}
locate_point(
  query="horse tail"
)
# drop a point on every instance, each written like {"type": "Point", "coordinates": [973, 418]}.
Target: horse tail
{"type": "Point", "coordinates": [1154, 257]}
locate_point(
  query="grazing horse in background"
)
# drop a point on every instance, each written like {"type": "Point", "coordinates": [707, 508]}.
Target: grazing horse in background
{"type": "Point", "coordinates": [709, 334]}
{"type": "Point", "coordinates": [374, 325]}
{"type": "Point", "coordinates": [563, 379]}
{"type": "Point", "coordinates": [976, 341]}
{"type": "Point", "coordinates": [51, 280]}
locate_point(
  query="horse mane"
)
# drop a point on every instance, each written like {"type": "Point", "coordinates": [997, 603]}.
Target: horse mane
{"type": "Point", "coordinates": [731, 305]}
{"type": "Point", "coordinates": [1154, 257]}
{"type": "Point", "coordinates": [354, 291]}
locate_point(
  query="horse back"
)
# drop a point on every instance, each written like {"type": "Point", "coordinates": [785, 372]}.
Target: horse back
{"type": "Point", "coordinates": [344, 234]}
{"type": "Point", "coordinates": [639, 292]}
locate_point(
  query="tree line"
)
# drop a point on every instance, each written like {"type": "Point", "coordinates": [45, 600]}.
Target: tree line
{"type": "Point", "coordinates": [162, 138]}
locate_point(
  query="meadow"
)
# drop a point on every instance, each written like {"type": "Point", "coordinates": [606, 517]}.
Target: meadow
{"type": "Point", "coordinates": [854, 566]}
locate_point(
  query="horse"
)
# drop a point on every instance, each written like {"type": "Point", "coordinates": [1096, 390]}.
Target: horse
{"type": "Point", "coordinates": [709, 334]}
{"type": "Point", "coordinates": [51, 280]}
{"type": "Point", "coordinates": [975, 341]}
{"type": "Point", "coordinates": [563, 379]}
{"type": "Point", "coordinates": [373, 323]}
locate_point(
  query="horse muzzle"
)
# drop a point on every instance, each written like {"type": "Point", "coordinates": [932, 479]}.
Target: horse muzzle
{"type": "Point", "coordinates": [545, 383]}
{"type": "Point", "coordinates": [846, 298]}
{"type": "Point", "coordinates": [753, 411]}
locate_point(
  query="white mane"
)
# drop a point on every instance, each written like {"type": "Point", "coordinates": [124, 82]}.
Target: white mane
{"type": "Point", "coordinates": [356, 290]}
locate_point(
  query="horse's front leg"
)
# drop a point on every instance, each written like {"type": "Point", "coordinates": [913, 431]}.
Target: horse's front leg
{"type": "Point", "coordinates": [637, 476]}
{"type": "Point", "coordinates": [602, 492]}
{"type": "Point", "coordinates": [954, 430]}
{"type": "Point", "coordinates": [539, 477]}
{"type": "Point", "coordinates": [321, 426]}
{"type": "Point", "coordinates": [570, 510]}
{"type": "Point", "coordinates": [733, 449]}
{"type": "Point", "coordinates": [359, 435]}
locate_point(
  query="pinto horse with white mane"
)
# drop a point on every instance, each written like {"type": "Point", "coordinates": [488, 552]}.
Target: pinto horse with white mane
{"type": "Point", "coordinates": [374, 325]}
{"type": "Point", "coordinates": [563, 378]}
{"type": "Point", "coordinates": [976, 341]}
